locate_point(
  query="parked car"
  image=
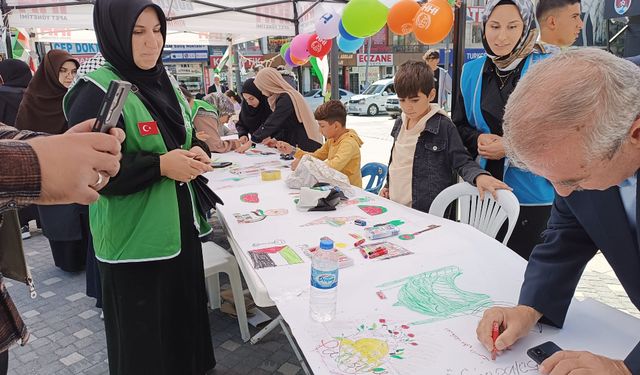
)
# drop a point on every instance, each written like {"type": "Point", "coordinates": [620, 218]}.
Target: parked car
{"type": "Point", "coordinates": [393, 106]}
{"type": "Point", "coordinates": [373, 100]}
{"type": "Point", "coordinates": [314, 97]}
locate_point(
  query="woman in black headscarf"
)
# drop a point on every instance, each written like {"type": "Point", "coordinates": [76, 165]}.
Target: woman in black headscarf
{"type": "Point", "coordinates": [15, 76]}
{"type": "Point", "coordinates": [65, 226]}
{"type": "Point", "coordinates": [147, 221]}
{"type": "Point", "coordinates": [254, 112]}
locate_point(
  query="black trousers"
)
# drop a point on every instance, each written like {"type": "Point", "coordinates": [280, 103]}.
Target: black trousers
{"type": "Point", "coordinates": [532, 221]}
{"type": "Point", "coordinates": [4, 362]}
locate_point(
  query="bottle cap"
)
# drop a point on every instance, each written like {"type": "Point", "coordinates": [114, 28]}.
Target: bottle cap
{"type": "Point", "coordinates": [326, 244]}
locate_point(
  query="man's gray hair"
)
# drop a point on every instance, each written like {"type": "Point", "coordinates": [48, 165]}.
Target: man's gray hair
{"type": "Point", "coordinates": [584, 91]}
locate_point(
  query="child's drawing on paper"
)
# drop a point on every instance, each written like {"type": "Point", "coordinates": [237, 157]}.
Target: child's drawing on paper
{"type": "Point", "coordinates": [274, 256]}
{"type": "Point", "coordinates": [375, 348]}
{"type": "Point", "coordinates": [333, 221]}
{"type": "Point", "coordinates": [249, 217]}
{"type": "Point", "coordinates": [435, 294]}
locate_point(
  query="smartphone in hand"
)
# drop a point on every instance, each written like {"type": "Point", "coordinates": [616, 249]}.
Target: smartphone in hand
{"type": "Point", "coordinates": [220, 164]}
{"type": "Point", "coordinates": [111, 107]}
{"type": "Point", "coordinates": [543, 351]}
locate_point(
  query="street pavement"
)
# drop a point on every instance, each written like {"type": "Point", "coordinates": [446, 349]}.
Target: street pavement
{"type": "Point", "coordinates": [67, 334]}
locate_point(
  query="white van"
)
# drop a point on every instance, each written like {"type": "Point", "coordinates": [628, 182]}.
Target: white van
{"type": "Point", "coordinates": [373, 100]}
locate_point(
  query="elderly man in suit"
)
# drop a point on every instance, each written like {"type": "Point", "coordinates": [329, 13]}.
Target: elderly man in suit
{"type": "Point", "coordinates": [583, 135]}
{"type": "Point", "coordinates": [217, 86]}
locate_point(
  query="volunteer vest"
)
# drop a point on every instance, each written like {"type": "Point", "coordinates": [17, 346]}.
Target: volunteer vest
{"type": "Point", "coordinates": [530, 189]}
{"type": "Point", "coordinates": [143, 226]}
{"type": "Point", "coordinates": [201, 104]}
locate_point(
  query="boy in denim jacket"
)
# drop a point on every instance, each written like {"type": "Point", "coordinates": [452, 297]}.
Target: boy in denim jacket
{"type": "Point", "coordinates": [427, 148]}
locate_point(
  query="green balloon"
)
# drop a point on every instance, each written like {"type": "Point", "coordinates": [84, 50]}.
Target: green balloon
{"type": "Point", "coordinates": [357, 24]}
{"type": "Point", "coordinates": [284, 49]}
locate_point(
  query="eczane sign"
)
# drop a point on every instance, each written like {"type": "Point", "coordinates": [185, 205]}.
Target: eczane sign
{"type": "Point", "coordinates": [375, 59]}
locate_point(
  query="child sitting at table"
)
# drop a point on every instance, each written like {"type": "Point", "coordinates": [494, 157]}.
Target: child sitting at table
{"type": "Point", "coordinates": [341, 151]}
{"type": "Point", "coordinates": [427, 148]}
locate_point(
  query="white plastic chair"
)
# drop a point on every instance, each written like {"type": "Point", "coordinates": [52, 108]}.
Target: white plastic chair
{"type": "Point", "coordinates": [216, 260]}
{"type": "Point", "coordinates": [486, 215]}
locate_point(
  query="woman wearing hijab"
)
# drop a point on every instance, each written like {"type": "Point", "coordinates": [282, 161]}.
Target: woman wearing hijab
{"type": "Point", "coordinates": [147, 223]}
{"type": "Point", "coordinates": [254, 111]}
{"type": "Point", "coordinates": [15, 76]}
{"type": "Point", "coordinates": [65, 226]}
{"type": "Point", "coordinates": [291, 120]}
{"type": "Point", "coordinates": [209, 116]}
{"type": "Point", "coordinates": [509, 38]}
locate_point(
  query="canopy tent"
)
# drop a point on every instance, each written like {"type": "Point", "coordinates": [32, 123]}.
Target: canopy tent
{"type": "Point", "coordinates": [211, 22]}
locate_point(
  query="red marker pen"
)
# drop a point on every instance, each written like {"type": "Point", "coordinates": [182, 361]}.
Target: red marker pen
{"type": "Point", "coordinates": [378, 252]}
{"type": "Point", "coordinates": [359, 242]}
{"type": "Point", "coordinates": [495, 332]}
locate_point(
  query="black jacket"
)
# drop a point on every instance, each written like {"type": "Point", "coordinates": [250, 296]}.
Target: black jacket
{"type": "Point", "coordinates": [439, 153]}
{"type": "Point", "coordinates": [283, 125]}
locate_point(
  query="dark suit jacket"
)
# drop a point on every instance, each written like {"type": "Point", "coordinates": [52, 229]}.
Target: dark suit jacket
{"type": "Point", "coordinates": [580, 225]}
{"type": "Point", "coordinates": [212, 89]}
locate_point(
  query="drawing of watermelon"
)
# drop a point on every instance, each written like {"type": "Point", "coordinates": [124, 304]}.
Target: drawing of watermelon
{"type": "Point", "coordinates": [373, 210]}
{"type": "Point", "coordinates": [250, 198]}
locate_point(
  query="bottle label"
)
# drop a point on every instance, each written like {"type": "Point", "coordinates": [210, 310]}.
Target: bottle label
{"type": "Point", "coordinates": [324, 279]}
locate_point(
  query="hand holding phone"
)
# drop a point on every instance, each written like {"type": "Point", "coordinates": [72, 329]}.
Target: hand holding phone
{"type": "Point", "coordinates": [543, 351]}
{"type": "Point", "coordinates": [112, 105]}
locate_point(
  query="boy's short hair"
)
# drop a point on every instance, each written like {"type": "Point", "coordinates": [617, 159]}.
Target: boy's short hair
{"type": "Point", "coordinates": [546, 6]}
{"type": "Point", "coordinates": [431, 54]}
{"type": "Point", "coordinates": [412, 78]}
{"type": "Point", "coordinates": [331, 111]}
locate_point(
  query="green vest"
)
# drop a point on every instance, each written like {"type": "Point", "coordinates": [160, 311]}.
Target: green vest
{"type": "Point", "coordinates": [143, 226]}
{"type": "Point", "coordinates": [201, 104]}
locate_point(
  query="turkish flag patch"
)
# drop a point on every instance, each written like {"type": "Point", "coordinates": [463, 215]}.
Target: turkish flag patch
{"type": "Point", "coordinates": [148, 128]}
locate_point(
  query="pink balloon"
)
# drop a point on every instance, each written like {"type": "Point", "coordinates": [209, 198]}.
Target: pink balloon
{"type": "Point", "coordinates": [298, 46]}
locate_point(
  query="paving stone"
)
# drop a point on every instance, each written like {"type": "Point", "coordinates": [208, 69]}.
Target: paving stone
{"type": "Point", "coordinates": [83, 333]}
{"type": "Point", "coordinates": [230, 345]}
{"type": "Point", "coordinates": [75, 297]}
{"type": "Point", "coordinates": [288, 369]}
{"type": "Point", "coordinates": [30, 314]}
{"type": "Point", "coordinates": [47, 294]}
{"type": "Point", "coordinates": [52, 281]}
{"type": "Point", "coordinates": [88, 314]}
{"type": "Point", "coordinates": [71, 359]}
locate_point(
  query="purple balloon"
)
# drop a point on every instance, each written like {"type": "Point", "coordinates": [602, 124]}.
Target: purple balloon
{"type": "Point", "coordinates": [287, 57]}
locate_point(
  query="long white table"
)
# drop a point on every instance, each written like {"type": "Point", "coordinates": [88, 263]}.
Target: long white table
{"type": "Point", "coordinates": [414, 314]}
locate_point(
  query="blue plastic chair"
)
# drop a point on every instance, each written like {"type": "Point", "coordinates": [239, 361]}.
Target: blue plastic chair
{"type": "Point", "coordinates": [377, 174]}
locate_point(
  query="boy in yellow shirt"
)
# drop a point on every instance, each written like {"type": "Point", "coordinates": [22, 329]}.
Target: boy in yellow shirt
{"type": "Point", "coordinates": [341, 151]}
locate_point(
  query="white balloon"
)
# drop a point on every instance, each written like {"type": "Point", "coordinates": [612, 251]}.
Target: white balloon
{"type": "Point", "coordinates": [327, 25]}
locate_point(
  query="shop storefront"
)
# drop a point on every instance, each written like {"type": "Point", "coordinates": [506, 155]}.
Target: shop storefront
{"type": "Point", "coordinates": [188, 65]}
{"type": "Point", "coordinates": [81, 51]}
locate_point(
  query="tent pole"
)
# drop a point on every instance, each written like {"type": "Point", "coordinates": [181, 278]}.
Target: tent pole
{"type": "Point", "coordinates": [296, 25]}
{"type": "Point", "coordinates": [5, 20]}
{"type": "Point", "coordinates": [333, 72]}
{"type": "Point", "coordinates": [236, 56]}
{"type": "Point", "coordinates": [459, 32]}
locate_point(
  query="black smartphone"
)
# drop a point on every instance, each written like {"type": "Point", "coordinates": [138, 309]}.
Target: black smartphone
{"type": "Point", "coordinates": [543, 351]}
{"type": "Point", "coordinates": [111, 107]}
{"type": "Point", "coordinates": [220, 164]}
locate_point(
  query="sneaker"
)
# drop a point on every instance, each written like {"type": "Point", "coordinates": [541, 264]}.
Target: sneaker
{"type": "Point", "coordinates": [102, 315]}
{"type": "Point", "coordinates": [25, 232]}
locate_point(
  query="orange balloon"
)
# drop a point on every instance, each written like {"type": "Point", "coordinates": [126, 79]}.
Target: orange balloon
{"type": "Point", "coordinates": [433, 22]}
{"type": "Point", "coordinates": [298, 61]}
{"type": "Point", "coordinates": [401, 15]}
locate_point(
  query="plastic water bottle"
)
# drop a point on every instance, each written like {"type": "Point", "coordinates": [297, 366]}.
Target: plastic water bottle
{"type": "Point", "coordinates": [324, 282]}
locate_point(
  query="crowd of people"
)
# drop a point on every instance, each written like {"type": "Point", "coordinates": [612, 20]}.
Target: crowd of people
{"type": "Point", "coordinates": [128, 206]}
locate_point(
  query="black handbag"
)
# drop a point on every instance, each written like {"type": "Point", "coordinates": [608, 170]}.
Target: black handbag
{"type": "Point", "coordinates": [13, 264]}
